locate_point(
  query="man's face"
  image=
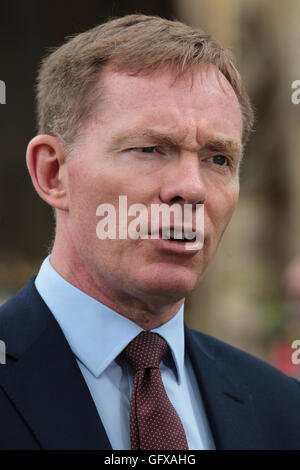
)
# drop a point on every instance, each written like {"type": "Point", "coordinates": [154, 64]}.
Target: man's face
{"type": "Point", "coordinates": [155, 141]}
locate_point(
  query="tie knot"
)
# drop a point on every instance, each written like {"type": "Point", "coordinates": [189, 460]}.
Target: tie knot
{"type": "Point", "coordinates": [146, 350]}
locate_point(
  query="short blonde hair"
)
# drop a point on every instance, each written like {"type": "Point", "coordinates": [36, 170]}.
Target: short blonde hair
{"type": "Point", "coordinates": [67, 90]}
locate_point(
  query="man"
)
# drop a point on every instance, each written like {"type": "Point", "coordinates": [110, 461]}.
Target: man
{"type": "Point", "coordinates": [155, 111]}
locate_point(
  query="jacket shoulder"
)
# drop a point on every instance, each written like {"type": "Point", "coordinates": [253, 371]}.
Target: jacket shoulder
{"type": "Point", "coordinates": [254, 371]}
{"type": "Point", "coordinates": [22, 319]}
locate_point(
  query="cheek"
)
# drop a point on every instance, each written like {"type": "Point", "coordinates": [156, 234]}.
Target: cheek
{"type": "Point", "coordinates": [88, 186]}
{"type": "Point", "coordinates": [220, 207]}
{"type": "Point", "coordinates": [82, 204]}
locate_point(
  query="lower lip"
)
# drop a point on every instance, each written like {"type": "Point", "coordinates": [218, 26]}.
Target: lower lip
{"type": "Point", "coordinates": [175, 247]}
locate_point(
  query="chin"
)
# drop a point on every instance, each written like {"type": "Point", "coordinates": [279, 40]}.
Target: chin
{"type": "Point", "coordinates": [173, 283]}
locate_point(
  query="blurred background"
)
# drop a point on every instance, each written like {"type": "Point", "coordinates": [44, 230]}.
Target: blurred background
{"type": "Point", "coordinates": [251, 294]}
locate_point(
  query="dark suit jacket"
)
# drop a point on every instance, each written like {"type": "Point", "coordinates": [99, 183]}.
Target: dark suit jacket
{"type": "Point", "coordinates": [45, 402]}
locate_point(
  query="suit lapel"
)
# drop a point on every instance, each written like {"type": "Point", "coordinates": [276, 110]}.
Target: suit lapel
{"type": "Point", "coordinates": [227, 401]}
{"type": "Point", "coordinates": [46, 386]}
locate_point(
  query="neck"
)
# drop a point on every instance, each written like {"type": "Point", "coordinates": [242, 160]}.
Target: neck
{"type": "Point", "coordinates": [147, 312]}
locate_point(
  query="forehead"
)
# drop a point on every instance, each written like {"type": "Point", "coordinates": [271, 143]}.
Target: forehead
{"type": "Point", "coordinates": [198, 101]}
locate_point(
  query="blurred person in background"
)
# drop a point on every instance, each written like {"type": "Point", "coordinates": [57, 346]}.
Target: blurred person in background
{"type": "Point", "coordinates": [98, 355]}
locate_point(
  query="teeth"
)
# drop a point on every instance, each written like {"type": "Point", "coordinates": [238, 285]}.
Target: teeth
{"type": "Point", "coordinates": [176, 234]}
{"type": "Point", "coordinates": [189, 235]}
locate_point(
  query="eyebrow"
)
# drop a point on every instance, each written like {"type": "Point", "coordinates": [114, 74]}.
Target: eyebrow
{"type": "Point", "coordinates": [219, 144]}
{"type": "Point", "coordinates": [152, 135]}
{"type": "Point", "coordinates": [224, 145]}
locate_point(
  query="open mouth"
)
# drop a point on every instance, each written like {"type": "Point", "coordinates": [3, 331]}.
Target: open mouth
{"type": "Point", "coordinates": [178, 236]}
{"type": "Point", "coordinates": [176, 240]}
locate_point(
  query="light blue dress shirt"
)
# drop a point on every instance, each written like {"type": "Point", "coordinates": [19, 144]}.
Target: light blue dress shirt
{"type": "Point", "coordinates": [96, 335]}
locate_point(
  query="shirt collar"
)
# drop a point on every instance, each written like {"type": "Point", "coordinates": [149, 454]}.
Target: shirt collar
{"type": "Point", "coordinates": [96, 333]}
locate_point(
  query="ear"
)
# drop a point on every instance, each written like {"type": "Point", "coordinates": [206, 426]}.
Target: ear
{"type": "Point", "coordinates": [46, 164]}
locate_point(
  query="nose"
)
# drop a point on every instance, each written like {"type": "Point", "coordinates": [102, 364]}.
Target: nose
{"type": "Point", "coordinates": [184, 182]}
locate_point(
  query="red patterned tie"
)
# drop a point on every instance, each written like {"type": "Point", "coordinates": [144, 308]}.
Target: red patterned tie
{"type": "Point", "coordinates": [154, 423]}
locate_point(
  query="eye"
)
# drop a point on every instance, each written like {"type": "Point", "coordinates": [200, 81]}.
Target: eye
{"type": "Point", "coordinates": [147, 149]}
{"type": "Point", "coordinates": [220, 160]}
{"type": "Point", "coordinates": [154, 150]}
